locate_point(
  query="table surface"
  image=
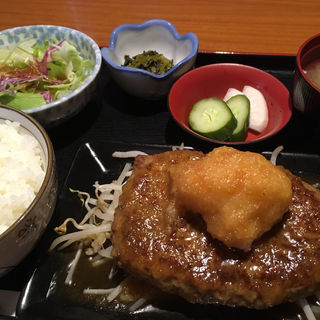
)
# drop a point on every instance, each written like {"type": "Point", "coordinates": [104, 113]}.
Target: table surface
{"type": "Point", "coordinates": [258, 26]}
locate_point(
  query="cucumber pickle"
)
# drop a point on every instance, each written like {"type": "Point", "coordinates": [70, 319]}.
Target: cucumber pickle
{"type": "Point", "coordinates": [240, 107]}
{"type": "Point", "coordinates": [216, 119]}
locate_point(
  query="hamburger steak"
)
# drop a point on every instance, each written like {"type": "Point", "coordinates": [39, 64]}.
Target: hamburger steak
{"type": "Point", "coordinates": [154, 240]}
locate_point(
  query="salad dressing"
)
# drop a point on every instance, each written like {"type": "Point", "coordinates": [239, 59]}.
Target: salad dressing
{"type": "Point", "coordinates": [30, 71]}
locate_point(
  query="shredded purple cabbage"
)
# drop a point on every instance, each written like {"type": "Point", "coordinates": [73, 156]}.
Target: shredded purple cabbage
{"type": "Point", "coordinates": [4, 82]}
{"type": "Point", "coordinates": [42, 65]}
{"type": "Point", "coordinates": [47, 96]}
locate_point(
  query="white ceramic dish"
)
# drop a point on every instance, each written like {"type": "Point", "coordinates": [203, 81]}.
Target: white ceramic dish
{"type": "Point", "coordinates": [158, 35]}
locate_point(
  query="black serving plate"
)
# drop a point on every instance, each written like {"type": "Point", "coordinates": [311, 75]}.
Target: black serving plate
{"type": "Point", "coordinates": [113, 115]}
{"type": "Point", "coordinates": [47, 297]}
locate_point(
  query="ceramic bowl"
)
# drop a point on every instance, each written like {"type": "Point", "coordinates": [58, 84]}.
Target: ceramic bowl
{"type": "Point", "coordinates": [19, 239]}
{"type": "Point", "coordinates": [158, 35]}
{"type": "Point", "coordinates": [214, 80]}
{"type": "Point", "coordinates": [306, 94]}
{"type": "Point", "coordinates": [64, 108]}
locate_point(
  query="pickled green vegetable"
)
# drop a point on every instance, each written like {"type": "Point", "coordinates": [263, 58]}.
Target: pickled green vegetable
{"type": "Point", "coordinates": [211, 117]}
{"type": "Point", "coordinates": [151, 61]}
{"type": "Point", "coordinates": [240, 107]}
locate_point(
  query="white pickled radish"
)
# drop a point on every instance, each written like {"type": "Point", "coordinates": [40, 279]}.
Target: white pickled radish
{"type": "Point", "coordinates": [230, 93]}
{"type": "Point", "coordinates": [258, 120]}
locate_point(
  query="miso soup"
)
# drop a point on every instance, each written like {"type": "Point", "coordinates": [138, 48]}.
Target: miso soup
{"type": "Point", "coordinates": [312, 71]}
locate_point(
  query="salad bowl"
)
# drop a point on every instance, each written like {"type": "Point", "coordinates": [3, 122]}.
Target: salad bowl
{"type": "Point", "coordinates": [55, 52]}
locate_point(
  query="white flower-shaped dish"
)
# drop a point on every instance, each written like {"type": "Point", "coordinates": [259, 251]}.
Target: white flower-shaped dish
{"type": "Point", "coordinates": [158, 35]}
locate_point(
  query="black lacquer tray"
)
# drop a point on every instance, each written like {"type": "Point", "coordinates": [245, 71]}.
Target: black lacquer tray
{"type": "Point", "coordinates": [113, 116]}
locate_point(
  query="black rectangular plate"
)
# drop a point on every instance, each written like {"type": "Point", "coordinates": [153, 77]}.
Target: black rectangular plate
{"type": "Point", "coordinates": [45, 297]}
{"type": "Point", "coordinates": [113, 113]}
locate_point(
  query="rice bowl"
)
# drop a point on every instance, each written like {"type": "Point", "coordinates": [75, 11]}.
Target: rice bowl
{"type": "Point", "coordinates": [21, 172]}
{"type": "Point", "coordinates": [26, 228]}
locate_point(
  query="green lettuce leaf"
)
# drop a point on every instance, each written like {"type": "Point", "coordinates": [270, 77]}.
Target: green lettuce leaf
{"type": "Point", "coordinates": [22, 100]}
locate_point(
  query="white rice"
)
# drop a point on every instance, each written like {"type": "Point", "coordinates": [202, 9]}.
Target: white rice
{"type": "Point", "coordinates": [21, 171]}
